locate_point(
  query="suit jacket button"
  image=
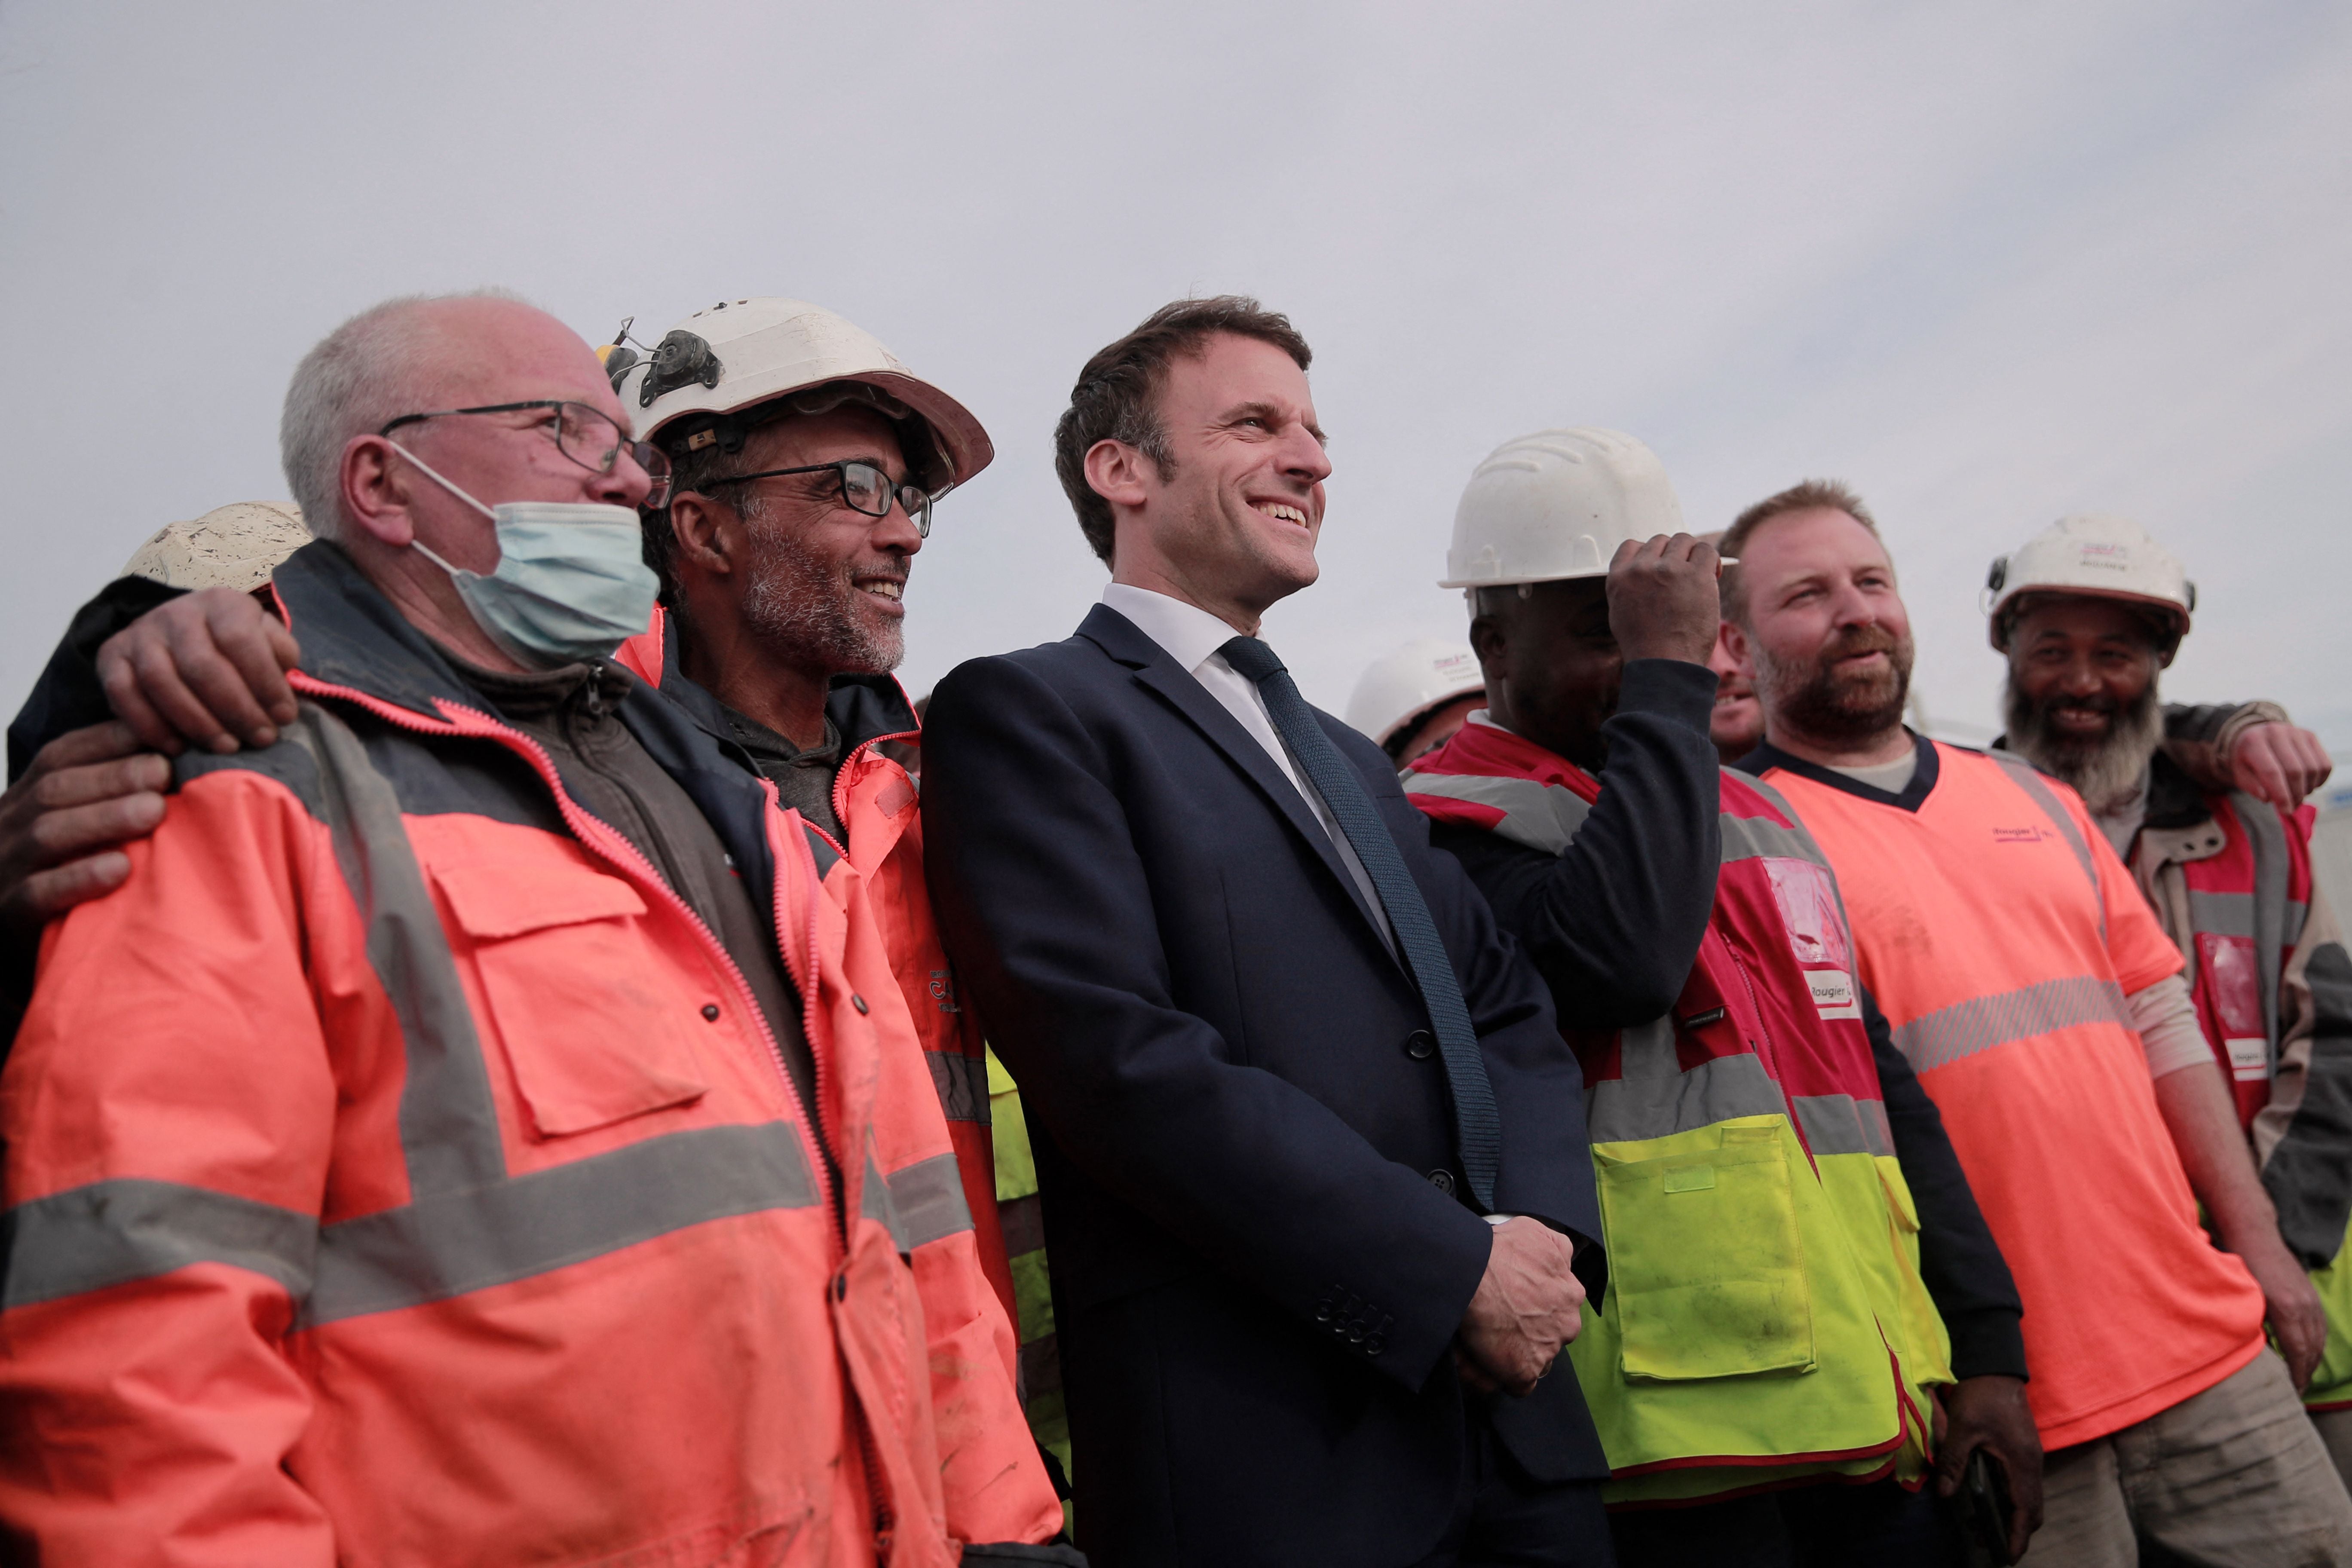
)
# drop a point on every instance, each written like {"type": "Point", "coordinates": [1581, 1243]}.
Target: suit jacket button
{"type": "Point", "coordinates": [1374, 1344]}
{"type": "Point", "coordinates": [1355, 1333]}
{"type": "Point", "coordinates": [1421, 1045]}
{"type": "Point", "coordinates": [1441, 1180]}
{"type": "Point", "coordinates": [860, 1002]}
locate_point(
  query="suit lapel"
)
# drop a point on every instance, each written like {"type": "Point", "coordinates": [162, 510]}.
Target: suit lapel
{"type": "Point", "coordinates": [1124, 641]}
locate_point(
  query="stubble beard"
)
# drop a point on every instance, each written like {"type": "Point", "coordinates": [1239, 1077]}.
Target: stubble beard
{"type": "Point", "coordinates": [1814, 699]}
{"type": "Point", "coordinates": [805, 610]}
{"type": "Point", "coordinates": [2106, 770]}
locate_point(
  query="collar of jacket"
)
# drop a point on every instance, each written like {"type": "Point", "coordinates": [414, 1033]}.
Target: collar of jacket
{"type": "Point", "coordinates": [1497, 782]}
{"type": "Point", "coordinates": [1489, 751]}
{"type": "Point", "coordinates": [864, 708]}
{"type": "Point", "coordinates": [357, 643]}
{"type": "Point", "coordinates": [2181, 827]}
{"type": "Point", "coordinates": [354, 638]}
{"type": "Point", "coordinates": [1122, 638]}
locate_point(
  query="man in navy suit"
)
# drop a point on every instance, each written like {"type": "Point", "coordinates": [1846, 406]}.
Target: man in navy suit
{"type": "Point", "coordinates": [1317, 1189]}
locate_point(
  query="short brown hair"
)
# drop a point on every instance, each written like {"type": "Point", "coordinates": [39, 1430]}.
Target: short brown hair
{"type": "Point", "coordinates": [1806, 495]}
{"type": "Point", "coordinates": [1114, 398]}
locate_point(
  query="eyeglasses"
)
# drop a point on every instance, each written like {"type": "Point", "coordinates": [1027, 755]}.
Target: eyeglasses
{"type": "Point", "coordinates": [863, 487]}
{"type": "Point", "coordinates": [589, 436]}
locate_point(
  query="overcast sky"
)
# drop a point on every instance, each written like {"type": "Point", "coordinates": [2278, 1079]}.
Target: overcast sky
{"type": "Point", "coordinates": [1991, 264]}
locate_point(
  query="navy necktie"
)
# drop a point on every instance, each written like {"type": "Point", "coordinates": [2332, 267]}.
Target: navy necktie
{"type": "Point", "coordinates": [1477, 1129]}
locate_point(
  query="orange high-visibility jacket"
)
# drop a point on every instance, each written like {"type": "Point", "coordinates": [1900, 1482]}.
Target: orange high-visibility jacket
{"type": "Point", "coordinates": [876, 802]}
{"type": "Point", "coordinates": [398, 1172]}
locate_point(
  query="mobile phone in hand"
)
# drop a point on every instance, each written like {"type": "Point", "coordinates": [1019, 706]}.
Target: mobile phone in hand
{"type": "Point", "coordinates": [1985, 1510]}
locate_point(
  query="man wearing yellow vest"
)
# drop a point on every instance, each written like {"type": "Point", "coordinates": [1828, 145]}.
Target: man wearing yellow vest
{"type": "Point", "coordinates": [2021, 970]}
{"type": "Point", "coordinates": [2088, 613]}
{"type": "Point", "coordinates": [1766, 1326]}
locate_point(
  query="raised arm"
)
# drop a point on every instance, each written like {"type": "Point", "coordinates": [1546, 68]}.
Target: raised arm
{"type": "Point", "coordinates": [1613, 923]}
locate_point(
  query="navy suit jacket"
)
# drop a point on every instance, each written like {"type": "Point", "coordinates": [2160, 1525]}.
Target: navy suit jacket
{"type": "Point", "coordinates": [1253, 1210]}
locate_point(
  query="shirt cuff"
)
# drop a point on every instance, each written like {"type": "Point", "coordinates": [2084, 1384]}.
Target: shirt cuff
{"type": "Point", "coordinates": [1988, 1343]}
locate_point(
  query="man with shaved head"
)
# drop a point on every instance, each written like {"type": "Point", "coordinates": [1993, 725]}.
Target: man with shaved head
{"type": "Point", "coordinates": [476, 1129]}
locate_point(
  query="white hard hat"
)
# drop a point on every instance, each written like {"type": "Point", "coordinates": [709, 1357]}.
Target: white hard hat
{"type": "Point", "coordinates": [1557, 504]}
{"type": "Point", "coordinates": [741, 354]}
{"type": "Point", "coordinates": [1404, 685]}
{"type": "Point", "coordinates": [2105, 557]}
{"type": "Point", "coordinates": [234, 546]}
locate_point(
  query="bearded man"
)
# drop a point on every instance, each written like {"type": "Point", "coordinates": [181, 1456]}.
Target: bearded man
{"type": "Point", "coordinates": [2089, 614]}
{"type": "Point", "coordinates": [805, 460]}
{"type": "Point", "coordinates": [2042, 1006]}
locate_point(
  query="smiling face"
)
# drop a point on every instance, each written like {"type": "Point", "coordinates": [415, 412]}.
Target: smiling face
{"type": "Point", "coordinates": [1825, 632]}
{"type": "Point", "coordinates": [820, 584]}
{"type": "Point", "coordinates": [1232, 526]}
{"type": "Point", "coordinates": [2082, 698]}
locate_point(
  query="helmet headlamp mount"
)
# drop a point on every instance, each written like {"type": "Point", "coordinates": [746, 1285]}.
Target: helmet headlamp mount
{"type": "Point", "coordinates": [681, 359]}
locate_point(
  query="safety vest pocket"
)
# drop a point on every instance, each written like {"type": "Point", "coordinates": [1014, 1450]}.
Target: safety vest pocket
{"type": "Point", "coordinates": [592, 1033]}
{"type": "Point", "coordinates": [1707, 1273]}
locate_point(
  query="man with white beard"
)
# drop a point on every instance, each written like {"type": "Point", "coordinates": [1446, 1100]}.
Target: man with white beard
{"type": "Point", "coordinates": [2089, 612]}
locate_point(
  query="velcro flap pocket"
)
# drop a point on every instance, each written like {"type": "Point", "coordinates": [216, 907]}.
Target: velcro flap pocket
{"type": "Point", "coordinates": [508, 900]}
{"type": "Point", "coordinates": [591, 1021]}
{"type": "Point", "coordinates": [1706, 1270]}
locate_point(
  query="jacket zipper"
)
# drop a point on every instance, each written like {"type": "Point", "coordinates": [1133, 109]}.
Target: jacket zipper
{"type": "Point", "coordinates": [626, 856]}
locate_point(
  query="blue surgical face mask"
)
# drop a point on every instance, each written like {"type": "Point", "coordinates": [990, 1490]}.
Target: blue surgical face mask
{"type": "Point", "coordinates": [571, 585]}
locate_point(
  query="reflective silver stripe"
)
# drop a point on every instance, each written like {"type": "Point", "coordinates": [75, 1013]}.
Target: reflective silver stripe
{"type": "Point", "coordinates": [1981, 1023]}
{"type": "Point", "coordinates": [114, 1232]}
{"type": "Point", "coordinates": [2221, 914]}
{"type": "Point", "coordinates": [917, 1203]}
{"type": "Point", "coordinates": [962, 1084]}
{"type": "Point", "coordinates": [448, 1123]}
{"type": "Point", "coordinates": [1876, 1129]}
{"type": "Point", "coordinates": [1539, 815]}
{"type": "Point", "coordinates": [2021, 772]}
{"type": "Point", "coordinates": [929, 1196]}
{"type": "Point", "coordinates": [1840, 1124]}
{"type": "Point", "coordinates": [1746, 838]}
{"type": "Point", "coordinates": [1655, 1098]}
{"type": "Point", "coordinates": [451, 1243]}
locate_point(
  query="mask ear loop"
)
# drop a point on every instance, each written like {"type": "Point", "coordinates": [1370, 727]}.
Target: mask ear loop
{"type": "Point", "coordinates": [430, 472]}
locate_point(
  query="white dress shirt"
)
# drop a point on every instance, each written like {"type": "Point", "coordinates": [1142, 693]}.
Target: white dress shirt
{"type": "Point", "coordinates": [1191, 637]}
